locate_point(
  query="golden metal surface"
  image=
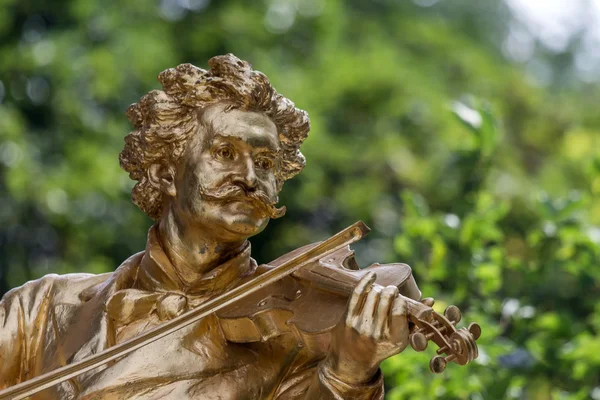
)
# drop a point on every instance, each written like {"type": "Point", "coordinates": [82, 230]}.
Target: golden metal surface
{"type": "Point", "coordinates": [193, 316]}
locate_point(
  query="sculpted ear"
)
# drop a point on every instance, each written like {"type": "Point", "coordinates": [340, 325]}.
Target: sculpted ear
{"type": "Point", "coordinates": [163, 178]}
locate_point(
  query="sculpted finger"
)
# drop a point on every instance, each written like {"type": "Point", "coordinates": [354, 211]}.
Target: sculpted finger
{"type": "Point", "coordinates": [428, 301]}
{"type": "Point", "coordinates": [360, 292]}
{"type": "Point", "coordinates": [399, 322]}
{"type": "Point", "coordinates": [367, 316]}
{"type": "Point", "coordinates": [399, 307]}
{"type": "Point", "coordinates": [388, 295]}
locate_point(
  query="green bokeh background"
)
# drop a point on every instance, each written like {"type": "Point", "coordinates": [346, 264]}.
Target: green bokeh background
{"type": "Point", "coordinates": [479, 170]}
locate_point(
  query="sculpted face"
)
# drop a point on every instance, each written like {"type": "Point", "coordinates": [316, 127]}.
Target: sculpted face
{"type": "Point", "coordinates": [226, 180]}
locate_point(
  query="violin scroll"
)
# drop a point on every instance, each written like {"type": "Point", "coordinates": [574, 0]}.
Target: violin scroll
{"type": "Point", "coordinates": [456, 345]}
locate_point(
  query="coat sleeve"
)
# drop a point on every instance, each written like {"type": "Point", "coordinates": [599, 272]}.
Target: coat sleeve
{"type": "Point", "coordinates": [23, 321]}
{"type": "Point", "coordinates": [325, 385]}
{"type": "Point", "coordinates": [319, 383]}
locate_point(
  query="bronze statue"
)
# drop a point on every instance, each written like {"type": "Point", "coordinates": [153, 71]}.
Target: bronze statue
{"type": "Point", "coordinates": [193, 316]}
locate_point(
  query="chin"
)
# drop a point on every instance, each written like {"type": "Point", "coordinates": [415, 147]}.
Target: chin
{"type": "Point", "coordinates": [242, 225]}
{"type": "Point", "coordinates": [229, 222]}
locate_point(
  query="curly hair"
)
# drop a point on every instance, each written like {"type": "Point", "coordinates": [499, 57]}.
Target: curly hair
{"type": "Point", "coordinates": [165, 119]}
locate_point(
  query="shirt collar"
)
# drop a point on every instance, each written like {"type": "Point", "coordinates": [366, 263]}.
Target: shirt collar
{"type": "Point", "coordinates": [156, 273]}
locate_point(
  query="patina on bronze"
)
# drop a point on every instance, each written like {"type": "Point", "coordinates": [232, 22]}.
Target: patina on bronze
{"type": "Point", "coordinates": [193, 316]}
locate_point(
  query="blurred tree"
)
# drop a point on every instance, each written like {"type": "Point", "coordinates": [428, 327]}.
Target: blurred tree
{"type": "Point", "coordinates": [498, 211]}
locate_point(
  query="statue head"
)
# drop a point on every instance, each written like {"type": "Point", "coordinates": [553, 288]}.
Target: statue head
{"type": "Point", "coordinates": [214, 147]}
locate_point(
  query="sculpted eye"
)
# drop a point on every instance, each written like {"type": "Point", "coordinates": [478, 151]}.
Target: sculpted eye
{"type": "Point", "coordinates": [225, 153]}
{"type": "Point", "coordinates": [264, 163]}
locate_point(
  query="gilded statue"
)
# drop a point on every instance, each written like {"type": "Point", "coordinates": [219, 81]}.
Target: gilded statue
{"type": "Point", "coordinates": [193, 316]}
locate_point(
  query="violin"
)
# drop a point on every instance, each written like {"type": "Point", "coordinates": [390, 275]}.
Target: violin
{"type": "Point", "coordinates": [281, 299]}
{"type": "Point", "coordinates": [310, 302]}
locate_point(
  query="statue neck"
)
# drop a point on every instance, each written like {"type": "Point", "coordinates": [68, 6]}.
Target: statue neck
{"type": "Point", "coordinates": [193, 251]}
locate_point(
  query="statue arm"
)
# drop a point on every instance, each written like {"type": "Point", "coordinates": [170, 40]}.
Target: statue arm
{"type": "Point", "coordinates": [23, 319]}
{"type": "Point", "coordinates": [12, 341]}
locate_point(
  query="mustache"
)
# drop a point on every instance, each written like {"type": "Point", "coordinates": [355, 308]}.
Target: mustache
{"type": "Point", "coordinates": [235, 192]}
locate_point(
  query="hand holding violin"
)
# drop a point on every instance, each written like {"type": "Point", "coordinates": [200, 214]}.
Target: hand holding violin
{"type": "Point", "coordinates": [374, 327]}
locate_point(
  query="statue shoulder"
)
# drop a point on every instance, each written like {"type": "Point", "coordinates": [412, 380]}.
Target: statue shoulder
{"type": "Point", "coordinates": [60, 288]}
{"type": "Point", "coordinates": [64, 289]}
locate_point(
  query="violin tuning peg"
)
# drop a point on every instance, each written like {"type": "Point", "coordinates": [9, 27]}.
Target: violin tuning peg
{"type": "Point", "coordinates": [437, 364]}
{"type": "Point", "coordinates": [418, 341]}
{"type": "Point", "coordinates": [475, 330]}
{"type": "Point", "coordinates": [453, 314]}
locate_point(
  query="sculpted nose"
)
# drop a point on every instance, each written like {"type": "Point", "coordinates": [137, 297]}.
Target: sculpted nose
{"type": "Point", "coordinates": [247, 176]}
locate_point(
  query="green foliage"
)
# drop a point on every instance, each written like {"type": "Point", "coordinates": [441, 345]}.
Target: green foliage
{"type": "Point", "coordinates": [495, 203]}
{"type": "Point", "coordinates": [534, 290]}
